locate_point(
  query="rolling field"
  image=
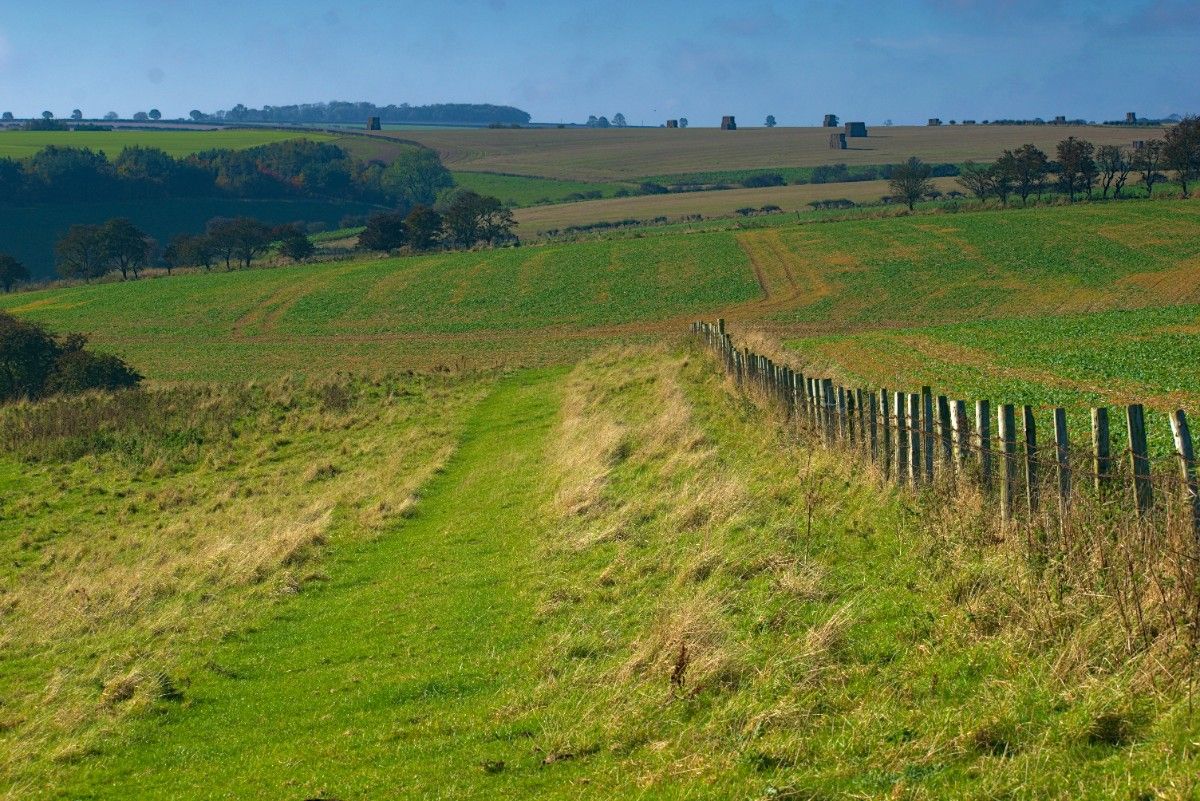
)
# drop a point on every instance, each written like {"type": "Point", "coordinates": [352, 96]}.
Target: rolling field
{"type": "Point", "coordinates": [629, 154]}
{"type": "Point", "coordinates": [20, 144]}
{"type": "Point", "coordinates": [292, 568]}
{"type": "Point", "coordinates": [491, 307]}
{"type": "Point", "coordinates": [608, 581]}
{"type": "Point", "coordinates": [724, 203]}
{"type": "Point", "coordinates": [518, 190]}
{"type": "Point", "coordinates": [887, 301]}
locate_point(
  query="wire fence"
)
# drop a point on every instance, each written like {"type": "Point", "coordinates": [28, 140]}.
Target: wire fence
{"type": "Point", "coordinates": [1021, 458]}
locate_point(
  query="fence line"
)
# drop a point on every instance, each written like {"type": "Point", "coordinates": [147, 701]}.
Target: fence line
{"type": "Point", "coordinates": [917, 439]}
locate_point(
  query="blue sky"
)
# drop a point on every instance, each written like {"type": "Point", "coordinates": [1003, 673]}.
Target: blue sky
{"type": "Point", "coordinates": [902, 60]}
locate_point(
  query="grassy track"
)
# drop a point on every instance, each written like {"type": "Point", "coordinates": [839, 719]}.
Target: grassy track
{"type": "Point", "coordinates": [391, 678]}
{"type": "Point", "coordinates": [19, 144]}
{"type": "Point", "coordinates": [629, 153]}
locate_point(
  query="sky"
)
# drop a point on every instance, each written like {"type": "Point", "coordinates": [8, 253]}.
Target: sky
{"type": "Point", "coordinates": [902, 60]}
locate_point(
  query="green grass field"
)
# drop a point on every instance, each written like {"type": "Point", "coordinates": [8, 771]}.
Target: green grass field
{"type": "Point", "coordinates": [520, 190]}
{"type": "Point", "coordinates": [612, 583]}
{"type": "Point", "coordinates": [563, 558]}
{"type": "Point", "coordinates": [20, 144]}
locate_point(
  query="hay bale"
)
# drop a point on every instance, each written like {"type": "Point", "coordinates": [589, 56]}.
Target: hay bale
{"type": "Point", "coordinates": [373, 124]}
{"type": "Point", "coordinates": [830, 121]}
{"type": "Point", "coordinates": [1131, 117]}
{"type": "Point", "coordinates": [728, 124]}
{"type": "Point", "coordinates": [934, 122]}
{"type": "Point", "coordinates": [672, 123]}
{"type": "Point", "coordinates": [1060, 120]}
{"type": "Point", "coordinates": [837, 141]}
{"type": "Point", "coordinates": [856, 130]}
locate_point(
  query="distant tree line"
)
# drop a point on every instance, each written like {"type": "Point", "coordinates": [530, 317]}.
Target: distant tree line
{"type": "Point", "coordinates": [35, 363]}
{"type": "Point", "coordinates": [618, 121]}
{"type": "Point", "coordinates": [293, 168]}
{"type": "Point", "coordinates": [339, 111]}
{"type": "Point", "coordinates": [464, 219]}
{"type": "Point", "coordinates": [88, 252]}
{"type": "Point", "coordinates": [1081, 168]}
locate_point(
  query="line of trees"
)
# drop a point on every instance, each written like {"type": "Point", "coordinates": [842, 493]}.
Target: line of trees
{"type": "Point", "coordinates": [87, 252]}
{"type": "Point", "coordinates": [293, 168]}
{"type": "Point", "coordinates": [618, 121]}
{"type": "Point", "coordinates": [1081, 168]}
{"type": "Point", "coordinates": [463, 220]}
{"type": "Point", "coordinates": [340, 111]}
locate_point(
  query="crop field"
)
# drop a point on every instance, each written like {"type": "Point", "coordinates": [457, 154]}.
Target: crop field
{"type": "Point", "coordinates": [549, 303]}
{"type": "Point", "coordinates": [520, 190]}
{"type": "Point", "coordinates": [489, 306]}
{"type": "Point", "coordinates": [20, 144]}
{"type": "Point", "coordinates": [723, 203]}
{"type": "Point", "coordinates": [628, 154]}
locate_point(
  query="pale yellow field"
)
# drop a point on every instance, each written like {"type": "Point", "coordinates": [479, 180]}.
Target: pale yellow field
{"type": "Point", "coordinates": [532, 221]}
{"type": "Point", "coordinates": [627, 153]}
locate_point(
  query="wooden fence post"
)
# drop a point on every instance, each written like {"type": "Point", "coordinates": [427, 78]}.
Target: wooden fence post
{"type": "Point", "coordinates": [860, 417]}
{"type": "Point", "coordinates": [872, 424]}
{"type": "Point", "coordinates": [841, 413]}
{"type": "Point", "coordinates": [1187, 465]}
{"type": "Point", "coordinates": [1062, 446]}
{"type": "Point", "coordinates": [944, 433]}
{"type": "Point", "coordinates": [885, 420]}
{"type": "Point", "coordinates": [852, 418]}
{"type": "Point", "coordinates": [927, 431]}
{"type": "Point", "coordinates": [1101, 451]}
{"type": "Point", "coordinates": [830, 410]}
{"type": "Point", "coordinates": [915, 424]}
{"type": "Point", "coordinates": [1008, 438]}
{"type": "Point", "coordinates": [898, 403]}
{"type": "Point", "coordinates": [983, 422]}
{"type": "Point", "coordinates": [1139, 458]}
{"type": "Point", "coordinates": [1031, 455]}
{"type": "Point", "coordinates": [962, 432]}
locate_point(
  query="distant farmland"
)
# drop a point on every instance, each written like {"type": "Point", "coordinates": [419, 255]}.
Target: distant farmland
{"type": "Point", "coordinates": [722, 203]}
{"type": "Point", "coordinates": [20, 144]}
{"type": "Point", "coordinates": [630, 153]}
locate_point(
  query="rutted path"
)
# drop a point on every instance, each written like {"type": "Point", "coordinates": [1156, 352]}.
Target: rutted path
{"type": "Point", "coordinates": [388, 680]}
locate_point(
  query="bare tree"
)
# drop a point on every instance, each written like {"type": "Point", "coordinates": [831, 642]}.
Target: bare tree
{"type": "Point", "coordinates": [1148, 161]}
{"type": "Point", "coordinates": [910, 181]}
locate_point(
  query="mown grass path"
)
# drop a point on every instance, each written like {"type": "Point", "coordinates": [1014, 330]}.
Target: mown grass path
{"type": "Point", "coordinates": [389, 680]}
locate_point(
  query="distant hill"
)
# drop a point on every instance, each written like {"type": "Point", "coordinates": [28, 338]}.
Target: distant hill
{"type": "Point", "coordinates": [341, 112]}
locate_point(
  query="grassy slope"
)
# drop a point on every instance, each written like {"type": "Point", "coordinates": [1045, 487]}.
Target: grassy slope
{"type": "Point", "coordinates": [137, 536]}
{"type": "Point", "coordinates": [369, 313]}
{"type": "Point", "coordinates": [388, 677]}
{"type": "Point", "coordinates": [629, 154]}
{"type": "Point", "coordinates": [864, 279]}
{"type": "Point", "coordinates": [520, 190]}
{"type": "Point", "coordinates": [20, 144]}
{"type": "Point", "coordinates": [622, 596]}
